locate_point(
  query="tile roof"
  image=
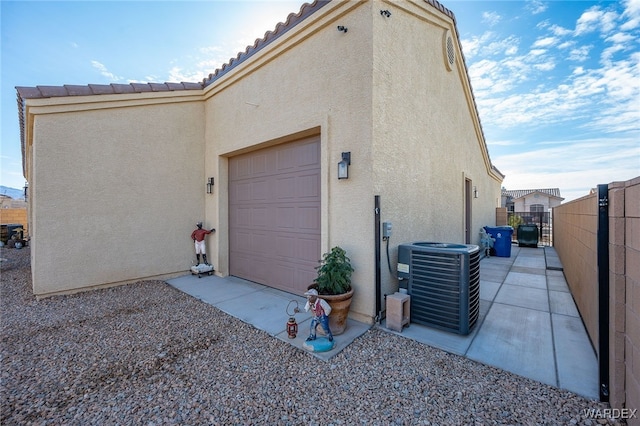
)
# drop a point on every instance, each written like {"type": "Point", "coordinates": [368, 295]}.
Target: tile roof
{"type": "Point", "coordinates": [519, 193]}
{"type": "Point", "coordinates": [293, 19]}
{"type": "Point", "coordinates": [103, 89]}
{"type": "Point", "coordinates": [281, 28]}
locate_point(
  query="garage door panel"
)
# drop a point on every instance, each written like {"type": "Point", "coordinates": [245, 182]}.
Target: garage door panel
{"type": "Point", "coordinates": [243, 240]}
{"type": "Point", "coordinates": [260, 242]}
{"type": "Point", "coordinates": [286, 187]}
{"type": "Point", "coordinates": [284, 276]}
{"type": "Point", "coordinates": [307, 186]}
{"type": "Point", "coordinates": [241, 216]}
{"type": "Point", "coordinates": [241, 192]}
{"type": "Point", "coordinates": [308, 218]}
{"type": "Point", "coordinates": [285, 219]}
{"type": "Point", "coordinates": [240, 168]}
{"type": "Point", "coordinates": [307, 250]}
{"type": "Point", "coordinates": [283, 227]}
{"type": "Point", "coordinates": [259, 191]}
{"type": "Point", "coordinates": [258, 165]}
{"type": "Point", "coordinates": [285, 247]}
{"type": "Point", "coordinates": [286, 159]}
{"type": "Point", "coordinates": [259, 218]}
{"type": "Point", "coordinates": [306, 277]}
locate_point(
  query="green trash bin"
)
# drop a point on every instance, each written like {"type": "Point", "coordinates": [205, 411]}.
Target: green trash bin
{"type": "Point", "coordinates": [528, 235]}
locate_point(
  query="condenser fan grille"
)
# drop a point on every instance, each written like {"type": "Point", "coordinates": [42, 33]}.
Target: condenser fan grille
{"type": "Point", "coordinates": [444, 286]}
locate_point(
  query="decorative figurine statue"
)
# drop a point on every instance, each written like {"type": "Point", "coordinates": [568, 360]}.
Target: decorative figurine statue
{"type": "Point", "coordinates": [320, 311]}
{"type": "Point", "coordinates": [487, 241]}
{"type": "Point", "coordinates": [198, 237]}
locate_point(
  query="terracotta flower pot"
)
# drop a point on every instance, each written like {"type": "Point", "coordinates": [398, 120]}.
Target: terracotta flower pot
{"type": "Point", "coordinates": [340, 305]}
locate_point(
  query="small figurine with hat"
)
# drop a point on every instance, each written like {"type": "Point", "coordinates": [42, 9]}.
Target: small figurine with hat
{"type": "Point", "coordinates": [320, 311]}
{"type": "Point", "coordinates": [198, 237]}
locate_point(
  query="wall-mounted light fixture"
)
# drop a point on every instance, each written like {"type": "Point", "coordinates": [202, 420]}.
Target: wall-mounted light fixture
{"type": "Point", "coordinates": [210, 185]}
{"type": "Point", "coordinates": [385, 13]}
{"type": "Point", "coordinates": [342, 28]}
{"type": "Point", "coordinates": [26, 191]}
{"type": "Point", "coordinates": [343, 166]}
{"type": "Point", "coordinates": [475, 192]}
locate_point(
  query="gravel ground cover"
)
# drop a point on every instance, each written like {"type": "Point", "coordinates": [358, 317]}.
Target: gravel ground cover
{"type": "Point", "coordinates": [148, 354]}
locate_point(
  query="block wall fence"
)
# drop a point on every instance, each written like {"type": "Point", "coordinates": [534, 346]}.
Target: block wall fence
{"type": "Point", "coordinates": [575, 229]}
{"type": "Point", "coordinates": [14, 216]}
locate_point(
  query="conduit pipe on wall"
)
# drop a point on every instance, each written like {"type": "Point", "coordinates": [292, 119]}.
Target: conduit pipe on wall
{"type": "Point", "coordinates": [376, 224]}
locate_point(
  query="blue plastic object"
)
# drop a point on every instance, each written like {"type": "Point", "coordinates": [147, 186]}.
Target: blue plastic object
{"type": "Point", "coordinates": [502, 234]}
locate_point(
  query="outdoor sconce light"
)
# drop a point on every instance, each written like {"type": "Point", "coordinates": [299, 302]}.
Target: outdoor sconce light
{"type": "Point", "coordinates": [210, 185]}
{"type": "Point", "coordinates": [343, 166]}
{"type": "Point", "coordinates": [342, 28]}
{"type": "Point", "coordinates": [26, 191]}
{"type": "Point", "coordinates": [475, 192]}
{"type": "Point", "coordinates": [385, 13]}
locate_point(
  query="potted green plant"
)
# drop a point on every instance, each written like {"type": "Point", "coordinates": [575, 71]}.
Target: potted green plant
{"type": "Point", "coordinates": [333, 284]}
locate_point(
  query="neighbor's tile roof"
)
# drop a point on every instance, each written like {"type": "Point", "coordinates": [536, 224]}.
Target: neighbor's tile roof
{"type": "Point", "coordinates": [519, 193]}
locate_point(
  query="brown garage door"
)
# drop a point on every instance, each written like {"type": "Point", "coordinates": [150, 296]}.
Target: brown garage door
{"type": "Point", "coordinates": [274, 215]}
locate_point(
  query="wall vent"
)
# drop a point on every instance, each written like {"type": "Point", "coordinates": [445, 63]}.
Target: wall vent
{"type": "Point", "coordinates": [444, 284]}
{"type": "Point", "coordinates": [449, 51]}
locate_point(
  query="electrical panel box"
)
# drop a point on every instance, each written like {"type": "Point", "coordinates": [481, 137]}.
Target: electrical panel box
{"type": "Point", "coordinates": [386, 229]}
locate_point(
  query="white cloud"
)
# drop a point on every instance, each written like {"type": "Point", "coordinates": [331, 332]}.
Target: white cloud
{"type": "Point", "coordinates": [595, 19]}
{"type": "Point", "coordinates": [179, 75]}
{"type": "Point", "coordinates": [536, 6]}
{"type": "Point", "coordinates": [604, 99]}
{"type": "Point", "coordinates": [545, 66]}
{"type": "Point", "coordinates": [491, 18]}
{"type": "Point", "coordinates": [488, 44]}
{"type": "Point", "coordinates": [545, 42]}
{"type": "Point", "coordinates": [572, 166]}
{"type": "Point", "coordinates": [579, 54]}
{"type": "Point", "coordinates": [631, 14]}
{"type": "Point", "coordinates": [105, 72]}
{"type": "Point", "coordinates": [559, 31]}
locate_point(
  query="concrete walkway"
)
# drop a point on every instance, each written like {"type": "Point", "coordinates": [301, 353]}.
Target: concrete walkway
{"type": "Point", "coordinates": [528, 324]}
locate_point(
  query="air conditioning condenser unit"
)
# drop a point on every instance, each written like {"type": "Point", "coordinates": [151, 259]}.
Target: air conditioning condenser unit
{"type": "Point", "coordinates": [443, 282]}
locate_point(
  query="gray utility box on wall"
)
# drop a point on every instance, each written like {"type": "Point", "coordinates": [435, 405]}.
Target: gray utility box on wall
{"type": "Point", "coordinates": [443, 282]}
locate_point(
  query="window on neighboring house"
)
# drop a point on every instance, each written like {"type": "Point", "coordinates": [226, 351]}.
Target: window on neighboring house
{"type": "Point", "coordinates": [536, 208]}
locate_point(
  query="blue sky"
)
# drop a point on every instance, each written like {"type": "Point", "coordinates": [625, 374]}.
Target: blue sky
{"type": "Point", "coordinates": [557, 83]}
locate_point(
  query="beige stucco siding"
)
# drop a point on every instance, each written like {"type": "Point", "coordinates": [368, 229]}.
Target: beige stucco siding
{"type": "Point", "coordinates": [319, 84]}
{"type": "Point", "coordinates": [118, 181]}
{"type": "Point", "coordinates": [115, 192]}
{"type": "Point", "coordinates": [425, 138]}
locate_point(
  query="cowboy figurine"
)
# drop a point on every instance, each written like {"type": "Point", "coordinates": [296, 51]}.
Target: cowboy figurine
{"type": "Point", "coordinates": [198, 237]}
{"type": "Point", "coordinates": [320, 311]}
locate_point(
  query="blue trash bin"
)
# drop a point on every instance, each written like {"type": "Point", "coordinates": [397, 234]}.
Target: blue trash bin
{"type": "Point", "coordinates": [502, 234]}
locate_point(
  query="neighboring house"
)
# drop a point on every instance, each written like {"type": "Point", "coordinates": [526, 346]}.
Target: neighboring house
{"type": "Point", "coordinates": [118, 173]}
{"type": "Point", "coordinates": [531, 200]}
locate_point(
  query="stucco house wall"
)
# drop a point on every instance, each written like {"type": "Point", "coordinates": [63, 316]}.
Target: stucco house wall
{"type": "Point", "coordinates": [427, 137]}
{"type": "Point", "coordinates": [524, 204]}
{"type": "Point", "coordinates": [114, 188]}
{"type": "Point", "coordinates": [371, 91]}
{"type": "Point", "coordinates": [318, 81]}
{"type": "Point", "coordinates": [381, 91]}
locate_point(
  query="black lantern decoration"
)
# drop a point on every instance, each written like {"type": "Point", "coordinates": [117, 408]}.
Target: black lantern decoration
{"type": "Point", "coordinates": [210, 185]}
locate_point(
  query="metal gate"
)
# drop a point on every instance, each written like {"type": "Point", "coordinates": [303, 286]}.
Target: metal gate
{"type": "Point", "coordinates": [541, 219]}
